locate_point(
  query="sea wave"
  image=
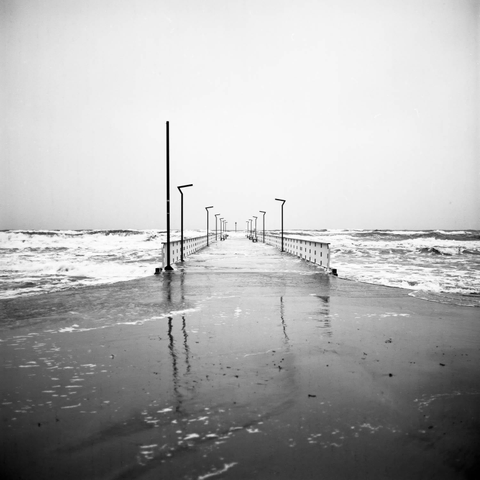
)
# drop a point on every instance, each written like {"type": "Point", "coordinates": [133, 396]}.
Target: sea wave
{"type": "Point", "coordinates": [393, 235]}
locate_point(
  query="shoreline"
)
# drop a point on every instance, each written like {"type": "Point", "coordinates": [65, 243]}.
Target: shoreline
{"type": "Point", "coordinates": [434, 297]}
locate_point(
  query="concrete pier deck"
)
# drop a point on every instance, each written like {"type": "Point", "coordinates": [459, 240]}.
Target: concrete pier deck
{"type": "Point", "coordinates": [244, 363]}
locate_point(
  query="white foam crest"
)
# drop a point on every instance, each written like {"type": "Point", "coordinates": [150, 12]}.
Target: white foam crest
{"type": "Point", "coordinates": [216, 472]}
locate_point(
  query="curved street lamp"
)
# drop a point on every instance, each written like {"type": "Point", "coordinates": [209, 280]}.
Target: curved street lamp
{"type": "Point", "coordinates": [255, 236]}
{"type": "Point", "coordinates": [216, 234]}
{"type": "Point", "coordinates": [206, 208]}
{"type": "Point", "coordinates": [181, 217]}
{"type": "Point", "coordinates": [261, 211]}
{"type": "Point", "coordinates": [283, 203]}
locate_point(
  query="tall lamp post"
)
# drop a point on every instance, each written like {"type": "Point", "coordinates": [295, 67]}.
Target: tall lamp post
{"type": "Point", "coordinates": [216, 234]}
{"type": "Point", "coordinates": [206, 208]}
{"type": "Point", "coordinates": [168, 266]}
{"type": "Point", "coordinates": [181, 218]}
{"type": "Point", "coordinates": [283, 203]}
{"type": "Point", "coordinates": [221, 225]}
{"type": "Point", "coordinates": [255, 237]}
{"type": "Point", "coordinates": [261, 211]}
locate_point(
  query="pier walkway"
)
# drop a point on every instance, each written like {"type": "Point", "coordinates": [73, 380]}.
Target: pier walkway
{"type": "Point", "coordinates": [242, 363]}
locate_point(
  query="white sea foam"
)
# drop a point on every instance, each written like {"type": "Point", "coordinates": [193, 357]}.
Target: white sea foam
{"type": "Point", "coordinates": [216, 472]}
{"type": "Point", "coordinates": [40, 261]}
{"type": "Point", "coordinates": [437, 262]}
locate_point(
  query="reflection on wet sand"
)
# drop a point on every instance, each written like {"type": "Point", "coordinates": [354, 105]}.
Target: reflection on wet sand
{"type": "Point", "coordinates": [185, 343]}
{"type": "Point", "coordinates": [173, 355]}
{"type": "Point", "coordinates": [175, 359]}
{"type": "Point", "coordinates": [282, 318]}
{"type": "Point", "coordinates": [324, 319]}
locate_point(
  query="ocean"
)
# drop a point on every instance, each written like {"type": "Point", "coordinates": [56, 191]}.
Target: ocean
{"type": "Point", "coordinates": [435, 265]}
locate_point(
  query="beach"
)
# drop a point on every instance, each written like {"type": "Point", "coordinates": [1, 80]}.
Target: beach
{"type": "Point", "coordinates": [243, 363]}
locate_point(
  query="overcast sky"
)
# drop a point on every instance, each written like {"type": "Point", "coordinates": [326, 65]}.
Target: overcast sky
{"type": "Point", "coordinates": [360, 113]}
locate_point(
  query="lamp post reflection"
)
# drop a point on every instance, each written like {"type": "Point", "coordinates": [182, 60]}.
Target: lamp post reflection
{"type": "Point", "coordinates": [174, 299]}
{"type": "Point", "coordinates": [173, 355]}
{"type": "Point", "coordinates": [176, 359]}
{"type": "Point", "coordinates": [185, 343]}
{"type": "Point", "coordinates": [284, 325]}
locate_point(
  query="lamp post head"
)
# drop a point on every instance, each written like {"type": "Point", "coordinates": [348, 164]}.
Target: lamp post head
{"type": "Point", "coordinates": [280, 200]}
{"type": "Point", "coordinates": [184, 186]}
{"type": "Point", "coordinates": [262, 211]}
{"type": "Point", "coordinates": [206, 208]}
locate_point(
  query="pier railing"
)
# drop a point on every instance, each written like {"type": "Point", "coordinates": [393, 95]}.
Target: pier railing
{"type": "Point", "coordinates": [310, 250]}
{"type": "Point", "coordinates": [190, 245]}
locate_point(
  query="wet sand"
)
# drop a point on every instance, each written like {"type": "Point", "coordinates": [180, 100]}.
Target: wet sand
{"type": "Point", "coordinates": [245, 363]}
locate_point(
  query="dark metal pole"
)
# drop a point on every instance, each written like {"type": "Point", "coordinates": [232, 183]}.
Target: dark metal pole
{"type": "Point", "coordinates": [255, 226]}
{"type": "Point", "coordinates": [282, 226]}
{"type": "Point", "coordinates": [216, 229]}
{"type": "Point", "coordinates": [181, 219]}
{"type": "Point", "coordinates": [261, 211]}
{"type": "Point", "coordinates": [206, 208]}
{"type": "Point", "coordinates": [168, 266]}
{"type": "Point", "coordinates": [283, 202]}
{"type": "Point", "coordinates": [181, 227]}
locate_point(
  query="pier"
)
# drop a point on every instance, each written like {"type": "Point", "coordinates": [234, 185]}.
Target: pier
{"type": "Point", "coordinates": [241, 362]}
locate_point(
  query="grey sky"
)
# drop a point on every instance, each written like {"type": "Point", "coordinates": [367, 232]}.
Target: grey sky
{"type": "Point", "coordinates": [360, 113]}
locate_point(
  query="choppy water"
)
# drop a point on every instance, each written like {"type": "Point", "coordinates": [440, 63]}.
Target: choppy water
{"type": "Point", "coordinates": [435, 265]}
{"type": "Point", "coordinates": [38, 261]}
